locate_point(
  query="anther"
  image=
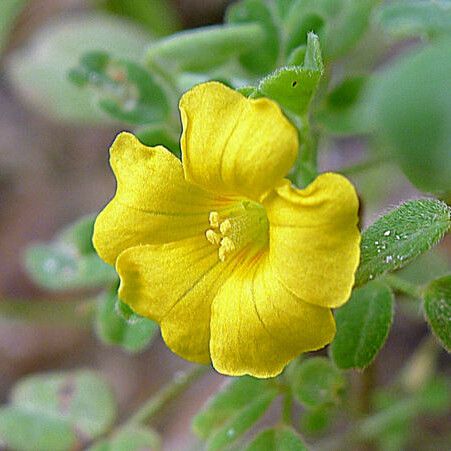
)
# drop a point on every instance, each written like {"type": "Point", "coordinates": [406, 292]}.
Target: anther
{"type": "Point", "coordinates": [227, 247]}
{"type": "Point", "coordinates": [225, 227]}
{"type": "Point", "coordinates": [213, 218]}
{"type": "Point", "coordinates": [213, 237]}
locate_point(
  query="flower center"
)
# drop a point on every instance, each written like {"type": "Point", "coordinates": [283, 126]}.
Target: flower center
{"type": "Point", "coordinates": [244, 223]}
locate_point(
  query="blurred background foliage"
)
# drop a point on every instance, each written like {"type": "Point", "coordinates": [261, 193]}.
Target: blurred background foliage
{"type": "Point", "coordinates": [367, 84]}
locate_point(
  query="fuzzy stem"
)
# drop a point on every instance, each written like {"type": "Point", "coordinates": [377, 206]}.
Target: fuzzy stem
{"type": "Point", "coordinates": [403, 286]}
{"type": "Point", "coordinates": [74, 313]}
{"type": "Point", "coordinates": [287, 409]}
{"type": "Point", "coordinates": [170, 391]}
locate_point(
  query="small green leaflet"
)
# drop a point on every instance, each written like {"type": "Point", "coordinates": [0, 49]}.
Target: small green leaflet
{"type": "Point", "coordinates": [277, 439]}
{"type": "Point", "coordinates": [404, 19]}
{"type": "Point", "coordinates": [122, 88]}
{"type": "Point", "coordinates": [70, 261]}
{"type": "Point", "coordinates": [316, 382]}
{"type": "Point", "coordinates": [294, 86]}
{"type": "Point", "coordinates": [57, 411]}
{"type": "Point", "coordinates": [131, 438]}
{"type": "Point", "coordinates": [401, 235]}
{"type": "Point", "coordinates": [363, 324]}
{"type": "Point", "coordinates": [202, 49]}
{"type": "Point", "coordinates": [437, 309]}
{"type": "Point", "coordinates": [264, 57]}
{"type": "Point", "coordinates": [233, 410]}
{"type": "Point", "coordinates": [133, 333]}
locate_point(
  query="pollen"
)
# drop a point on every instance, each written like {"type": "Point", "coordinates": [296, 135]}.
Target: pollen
{"type": "Point", "coordinates": [227, 247]}
{"type": "Point", "coordinates": [244, 223]}
{"type": "Point", "coordinates": [213, 237]}
{"type": "Point", "coordinates": [225, 227]}
{"type": "Point", "coordinates": [213, 219]}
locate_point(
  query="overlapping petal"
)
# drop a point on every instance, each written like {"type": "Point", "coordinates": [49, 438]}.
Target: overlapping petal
{"type": "Point", "coordinates": [314, 238]}
{"type": "Point", "coordinates": [174, 284]}
{"type": "Point", "coordinates": [153, 202]}
{"type": "Point", "coordinates": [258, 326]}
{"type": "Point", "coordinates": [265, 303]}
{"type": "Point", "coordinates": [234, 145]}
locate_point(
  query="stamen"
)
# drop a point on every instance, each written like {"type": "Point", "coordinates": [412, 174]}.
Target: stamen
{"type": "Point", "coordinates": [213, 237]}
{"type": "Point", "coordinates": [214, 219]}
{"type": "Point", "coordinates": [227, 247]}
{"type": "Point", "coordinates": [225, 227]}
{"type": "Point", "coordinates": [246, 222]}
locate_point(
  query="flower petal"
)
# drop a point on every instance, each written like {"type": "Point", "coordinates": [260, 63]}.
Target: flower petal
{"type": "Point", "coordinates": [258, 326]}
{"type": "Point", "coordinates": [234, 145]}
{"type": "Point", "coordinates": [153, 202]}
{"type": "Point", "coordinates": [174, 284]}
{"type": "Point", "coordinates": [314, 238]}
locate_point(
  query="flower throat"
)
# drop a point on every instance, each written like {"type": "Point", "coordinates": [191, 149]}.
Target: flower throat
{"type": "Point", "coordinates": [244, 223]}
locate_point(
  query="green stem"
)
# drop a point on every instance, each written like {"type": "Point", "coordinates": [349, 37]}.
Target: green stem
{"type": "Point", "coordinates": [367, 385]}
{"type": "Point", "coordinates": [362, 166]}
{"type": "Point", "coordinates": [10, 12]}
{"type": "Point", "coordinates": [306, 166]}
{"type": "Point", "coordinates": [287, 409]}
{"type": "Point", "coordinates": [420, 367]}
{"type": "Point", "coordinates": [369, 429]}
{"type": "Point", "coordinates": [73, 313]}
{"type": "Point", "coordinates": [170, 391]}
{"type": "Point", "coordinates": [403, 286]}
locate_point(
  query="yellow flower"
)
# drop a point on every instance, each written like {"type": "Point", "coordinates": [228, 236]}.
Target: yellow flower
{"type": "Point", "coordinates": [237, 266]}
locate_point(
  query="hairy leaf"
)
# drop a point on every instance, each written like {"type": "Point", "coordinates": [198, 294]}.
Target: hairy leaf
{"type": "Point", "coordinates": [133, 333]}
{"type": "Point", "coordinates": [408, 18]}
{"type": "Point", "coordinates": [437, 309]}
{"type": "Point", "coordinates": [401, 235]}
{"type": "Point", "coordinates": [363, 324]}
{"type": "Point", "coordinates": [277, 439]}
{"type": "Point", "coordinates": [57, 411]}
{"type": "Point", "coordinates": [316, 382]}
{"type": "Point", "coordinates": [123, 89]}
{"type": "Point", "coordinates": [233, 410]}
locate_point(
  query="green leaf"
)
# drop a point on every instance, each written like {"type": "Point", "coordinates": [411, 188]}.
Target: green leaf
{"type": "Point", "coordinates": [304, 17]}
{"type": "Point", "coordinates": [437, 309]}
{"type": "Point", "coordinates": [21, 430]}
{"type": "Point", "coordinates": [264, 58]}
{"type": "Point", "coordinates": [315, 421]}
{"type": "Point", "coordinates": [346, 27]}
{"type": "Point", "coordinates": [277, 439]}
{"type": "Point", "coordinates": [123, 89]}
{"type": "Point", "coordinates": [363, 324]}
{"type": "Point", "coordinates": [394, 416]}
{"type": "Point", "coordinates": [158, 16]}
{"type": "Point", "coordinates": [58, 266]}
{"type": "Point", "coordinates": [133, 334]}
{"type": "Point", "coordinates": [10, 10]}
{"type": "Point", "coordinates": [56, 411]}
{"type": "Point", "coordinates": [404, 19]}
{"type": "Point", "coordinates": [283, 7]}
{"type": "Point", "coordinates": [39, 71]}
{"type": "Point", "coordinates": [435, 396]}
{"type": "Point", "coordinates": [345, 111]}
{"type": "Point", "coordinates": [204, 48]}
{"type": "Point", "coordinates": [400, 236]}
{"type": "Point", "coordinates": [294, 87]}
{"type": "Point", "coordinates": [131, 438]}
{"type": "Point", "coordinates": [340, 24]}
{"type": "Point", "coordinates": [411, 110]}
{"type": "Point", "coordinates": [79, 234]}
{"type": "Point", "coordinates": [316, 382]}
{"type": "Point", "coordinates": [70, 261]}
{"type": "Point", "coordinates": [233, 410]}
